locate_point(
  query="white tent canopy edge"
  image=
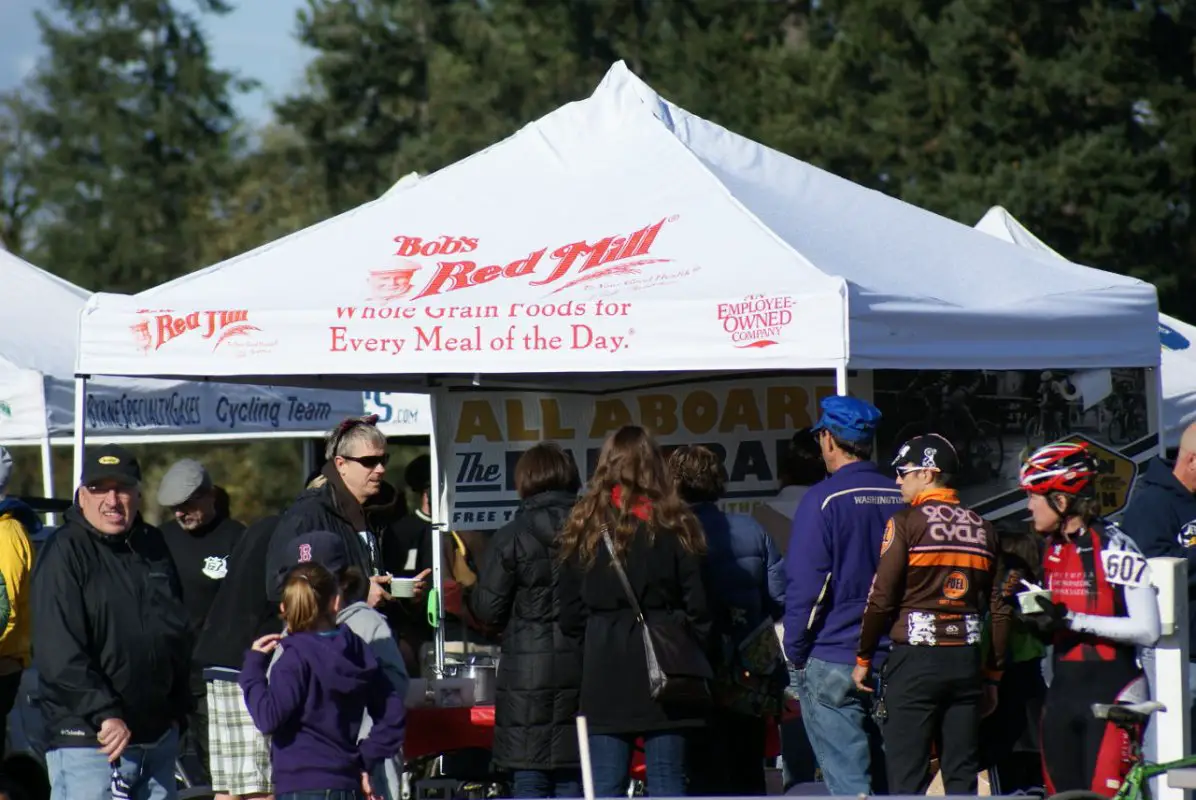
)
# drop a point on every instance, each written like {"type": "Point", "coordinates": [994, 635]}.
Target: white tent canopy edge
{"type": "Point", "coordinates": [38, 349]}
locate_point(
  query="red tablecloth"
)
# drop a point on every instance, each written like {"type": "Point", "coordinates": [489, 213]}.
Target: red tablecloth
{"type": "Point", "coordinates": [431, 731]}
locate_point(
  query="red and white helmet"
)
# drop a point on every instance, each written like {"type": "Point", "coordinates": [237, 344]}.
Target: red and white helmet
{"type": "Point", "coordinates": [1066, 467]}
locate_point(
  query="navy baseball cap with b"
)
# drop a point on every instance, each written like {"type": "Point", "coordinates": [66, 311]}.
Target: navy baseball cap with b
{"type": "Point", "coordinates": [849, 419]}
{"type": "Point", "coordinates": [315, 547]}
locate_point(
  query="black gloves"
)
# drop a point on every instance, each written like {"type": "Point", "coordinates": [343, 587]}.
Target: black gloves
{"type": "Point", "coordinates": [1051, 617]}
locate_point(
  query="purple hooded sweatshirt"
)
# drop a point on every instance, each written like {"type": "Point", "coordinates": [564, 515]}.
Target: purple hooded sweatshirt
{"type": "Point", "coordinates": [312, 708]}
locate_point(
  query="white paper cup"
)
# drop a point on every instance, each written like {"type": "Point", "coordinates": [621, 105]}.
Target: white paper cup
{"type": "Point", "coordinates": [1030, 601]}
{"type": "Point", "coordinates": [402, 587]}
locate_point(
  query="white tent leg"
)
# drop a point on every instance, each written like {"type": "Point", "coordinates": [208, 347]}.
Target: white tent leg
{"type": "Point", "coordinates": [309, 458]}
{"type": "Point", "coordinates": [1160, 423]}
{"type": "Point", "coordinates": [80, 427]}
{"type": "Point", "coordinates": [48, 477]}
{"type": "Point", "coordinates": [438, 526]}
{"type": "Point", "coordinates": [841, 379]}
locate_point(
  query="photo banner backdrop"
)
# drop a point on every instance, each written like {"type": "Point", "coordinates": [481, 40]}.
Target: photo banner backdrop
{"type": "Point", "coordinates": [996, 418]}
{"type": "Point", "coordinates": [749, 422]}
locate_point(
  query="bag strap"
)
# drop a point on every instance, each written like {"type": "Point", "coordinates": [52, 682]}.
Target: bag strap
{"type": "Point", "coordinates": [610, 548]}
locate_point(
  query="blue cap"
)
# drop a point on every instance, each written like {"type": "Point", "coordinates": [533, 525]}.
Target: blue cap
{"type": "Point", "coordinates": [848, 418]}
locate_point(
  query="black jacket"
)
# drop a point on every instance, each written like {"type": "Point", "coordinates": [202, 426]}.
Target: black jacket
{"type": "Point", "coordinates": [328, 508]}
{"type": "Point", "coordinates": [539, 676]}
{"type": "Point", "coordinates": [614, 687]}
{"type": "Point", "coordinates": [241, 612]}
{"type": "Point", "coordinates": [1161, 519]}
{"type": "Point", "coordinates": [112, 635]}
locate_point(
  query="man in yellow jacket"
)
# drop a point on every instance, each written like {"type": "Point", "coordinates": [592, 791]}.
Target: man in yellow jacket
{"type": "Point", "coordinates": [17, 523]}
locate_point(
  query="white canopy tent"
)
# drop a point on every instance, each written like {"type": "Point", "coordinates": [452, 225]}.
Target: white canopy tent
{"type": "Point", "coordinates": [616, 239]}
{"type": "Point", "coordinates": [1175, 336]}
{"type": "Point", "coordinates": [38, 342]}
{"type": "Point", "coordinates": [624, 194]}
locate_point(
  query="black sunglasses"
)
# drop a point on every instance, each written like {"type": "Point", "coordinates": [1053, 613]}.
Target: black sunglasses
{"type": "Point", "coordinates": [370, 462]}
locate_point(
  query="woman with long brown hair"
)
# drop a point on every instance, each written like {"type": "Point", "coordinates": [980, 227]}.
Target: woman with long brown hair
{"type": "Point", "coordinates": [659, 544]}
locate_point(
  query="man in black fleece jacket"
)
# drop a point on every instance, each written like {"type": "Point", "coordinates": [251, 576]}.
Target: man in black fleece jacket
{"type": "Point", "coordinates": [200, 540]}
{"type": "Point", "coordinates": [239, 756]}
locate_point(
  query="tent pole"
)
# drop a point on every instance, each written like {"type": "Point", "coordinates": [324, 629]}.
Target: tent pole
{"type": "Point", "coordinates": [436, 612]}
{"type": "Point", "coordinates": [841, 378]}
{"type": "Point", "coordinates": [309, 458]}
{"type": "Point", "coordinates": [80, 428]}
{"type": "Point", "coordinates": [48, 476]}
{"type": "Point", "coordinates": [1160, 422]}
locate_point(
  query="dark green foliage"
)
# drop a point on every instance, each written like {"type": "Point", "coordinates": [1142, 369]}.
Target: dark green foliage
{"type": "Point", "coordinates": [134, 133]}
{"type": "Point", "coordinates": [1079, 117]}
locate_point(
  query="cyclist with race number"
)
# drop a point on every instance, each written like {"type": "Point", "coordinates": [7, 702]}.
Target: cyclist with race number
{"type": "Point", "coordinates": [1100, 609]}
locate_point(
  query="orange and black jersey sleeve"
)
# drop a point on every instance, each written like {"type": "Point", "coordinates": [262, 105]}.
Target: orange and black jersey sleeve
{"type": "Point", "coordinates": [888, 588]}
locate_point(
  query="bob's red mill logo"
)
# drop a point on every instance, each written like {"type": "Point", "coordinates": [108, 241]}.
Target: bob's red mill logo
{"type": "Point", "coordinates": [163, 327]}
{"type": "Point", "coordinates": [564, 267]}
{"type": "Point", "coordinates": [756, 320]}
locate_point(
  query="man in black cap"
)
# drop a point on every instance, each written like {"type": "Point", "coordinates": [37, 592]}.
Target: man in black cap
{"type": "Point", "coordinates": [200, 540]}
{"type": "Point", "coordinates": [933, 588]}
{"type": "Point", "coordinates": [113, 642]}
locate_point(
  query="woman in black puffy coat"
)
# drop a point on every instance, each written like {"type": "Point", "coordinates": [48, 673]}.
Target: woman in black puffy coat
{"type": "Point", "coordinates": [539, 675]}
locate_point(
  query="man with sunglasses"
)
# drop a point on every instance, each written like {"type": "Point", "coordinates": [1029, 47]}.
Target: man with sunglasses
{"type": "Point", "coordinates": [345, 499]}
{"type": "Point", "coordinates": [200, 540]}
{"type": "Point", "coordinates": [933, 588]}
{"type": "Point", "coordinates": [113, 644]}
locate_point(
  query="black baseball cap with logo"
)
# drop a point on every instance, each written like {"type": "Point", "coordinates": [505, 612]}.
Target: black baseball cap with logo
{"type": "Point", "coordinates": [929, 451]}
{"type": "Point", "coordinates": [110, 463]}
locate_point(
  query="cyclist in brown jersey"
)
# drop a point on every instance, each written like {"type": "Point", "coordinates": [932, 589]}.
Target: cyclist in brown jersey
{"type": "Point", "coordinates": [933, 588]}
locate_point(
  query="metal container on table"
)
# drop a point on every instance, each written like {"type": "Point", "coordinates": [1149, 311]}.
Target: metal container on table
{"type": "Point", "coordinates": [480, 669]}
{"type": "Point", "coordinates": [483, 671]}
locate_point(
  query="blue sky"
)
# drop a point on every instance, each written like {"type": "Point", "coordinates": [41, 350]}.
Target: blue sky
{"type": "Point", "coordinates": [256, 39]}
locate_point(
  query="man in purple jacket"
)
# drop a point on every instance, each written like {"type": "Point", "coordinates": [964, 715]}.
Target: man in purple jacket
{"type": "Point", "coordinates": [833, 552]}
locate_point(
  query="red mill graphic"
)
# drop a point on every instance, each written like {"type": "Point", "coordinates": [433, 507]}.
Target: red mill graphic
{"type": "Point", "coordinates": [565, 267]}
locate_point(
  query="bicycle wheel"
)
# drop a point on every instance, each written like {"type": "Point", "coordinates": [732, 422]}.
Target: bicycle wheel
{"type": "Point", "coordinates": [1032, 430]}
{"type": "Point", "coordinates": [1117, 434]}
{"type": "Point", "coordinates": [988, 451]}
{"type": "Point", "coordinates": [1078, 794]}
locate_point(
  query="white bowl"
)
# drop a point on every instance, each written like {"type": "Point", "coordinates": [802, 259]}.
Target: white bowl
{"type": "Point", "coordinates": [402, 587]}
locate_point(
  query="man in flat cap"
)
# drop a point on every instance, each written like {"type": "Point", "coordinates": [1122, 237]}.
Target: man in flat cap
{"type": "Point", "coordinates": [113, 644]}
{"type": "Point", "coordinates": [200, 540]}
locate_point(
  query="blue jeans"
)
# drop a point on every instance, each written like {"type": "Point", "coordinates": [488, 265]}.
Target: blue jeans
{"type": "Point", "coordinates": [327, 794]}
{"type": "Point", "coordinates": [798, 764]}
{"type": "Point", "coordinates": [839, 724]}
{"type": "Point", "coordinates": [83, 773]}
{"type": "Point", "coordinates": [664, 758]}
{"type": "Point", "coordinates": [546, 783]}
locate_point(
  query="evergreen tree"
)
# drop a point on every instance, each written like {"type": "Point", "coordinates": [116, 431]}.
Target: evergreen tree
{"type": "Point", "coordinates": [18, 202]}
{"type": "Point", "coordinates": [1077, 116]}
{"type": "Point", "coordinates": [413, 85]}
{"type": "Point", "coordinates": [134, 130]}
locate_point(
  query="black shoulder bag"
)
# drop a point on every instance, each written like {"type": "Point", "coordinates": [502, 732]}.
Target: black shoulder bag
{"type": "Point", "coordinates": [678, 671]}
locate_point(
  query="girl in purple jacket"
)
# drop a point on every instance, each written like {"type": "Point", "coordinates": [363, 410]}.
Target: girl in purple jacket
{"type": "Point", "coordinates": [313, 703]}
